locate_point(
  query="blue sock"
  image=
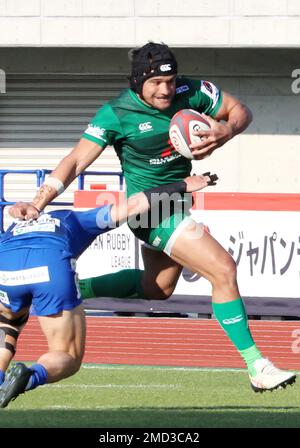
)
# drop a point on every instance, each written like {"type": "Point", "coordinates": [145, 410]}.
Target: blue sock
{"type": "Point", "coordinates": [2, 376]}
{"type": "Point", "coordinates": [38, 377]}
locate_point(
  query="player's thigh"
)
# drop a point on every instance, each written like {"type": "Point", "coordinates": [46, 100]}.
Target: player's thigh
{"type": "Point", "coordinates": [59, 291]}
{"type": "Point", "coordinates": [65, 331]}
{"type": "Point", "coordinates": [198, 251]}
{"type": "Point", "coordinates": [15, 275]}
{"type": "Point", "coordinates": [161, 273]}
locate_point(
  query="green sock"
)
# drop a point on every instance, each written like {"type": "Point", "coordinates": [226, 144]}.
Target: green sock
{"type": "Point", "coordinates": [123, 284]}
{"type": "Point", "coordinates": [233, 319]}
{"type": "Point", "coordinates": [250, 355]}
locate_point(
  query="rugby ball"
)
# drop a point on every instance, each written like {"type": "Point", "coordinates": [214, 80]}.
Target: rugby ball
{"type": "Point", "coordinates": [182, 125]}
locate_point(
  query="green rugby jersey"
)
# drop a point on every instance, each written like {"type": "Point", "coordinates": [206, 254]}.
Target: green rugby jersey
{"type": "Point", "coordinates": [140, 133]}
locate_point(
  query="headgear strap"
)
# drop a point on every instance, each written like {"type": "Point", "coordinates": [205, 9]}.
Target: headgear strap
{"type": "Point", "coordinates": [151, 60]}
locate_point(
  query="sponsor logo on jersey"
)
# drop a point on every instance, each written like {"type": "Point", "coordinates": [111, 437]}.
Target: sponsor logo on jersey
{"type": "Point", "coordinates": [182, 89]}
{"type": "Point", "coordinates": [145, 127]}
{"type": "Point", "coordinates": [25, 276]}
{"type": "Point", "coordinates": [95, 131]}
{"type": "Point", "coordinates": [45, 223]}
{"type": "Point", "coordinates": [45, 217]}
{"type": "Point", "coordinates": [233, 320]}
{"type": "Point", "coordinates": [165, 68]}
{"type": "Point", "coordinates": [167, 152]}
{"type": "Point", "coordinates": [4, 297]}
{"type": "Point", "coordinates": [210, 90]}
{"type": "Point", "coordinates": [34, 228]}
{"type": "Point", "coordinates": [156, 241]}
{"type": "Point", "coordinates": [163, 160]}
{"type": "Point", "coordinates": [208, 86]}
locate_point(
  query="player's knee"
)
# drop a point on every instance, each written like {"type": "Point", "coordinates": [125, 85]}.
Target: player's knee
{"type": "Point", "coordinates": [76, 355]}
{"type": "Point", "coordinates": [9, 331]}
{"type": "Point", "coordinates": [8, 338]}
{"type": "Point", "coordinates": [76, 367]}
{"type": "Point", "coordinates": [69, 363]}
{"type": "Point", "coordinates": [76, 364]}
{"type": "Point", "coordinates": [157, 293]}
{"type": "Point", "coordinates": [225, 270]}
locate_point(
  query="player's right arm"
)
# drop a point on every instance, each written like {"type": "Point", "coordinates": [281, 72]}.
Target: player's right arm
{"type": "Point", "coordinates": [226, 115]}
{"type": "Point", "coordinates": [104, 218]}
{"type": "Point", "coordinates": [101, 131]}
{"type": "Point", "coordinates": [142, 201]}
{"type": "Point", "coordinates": [83, 155]}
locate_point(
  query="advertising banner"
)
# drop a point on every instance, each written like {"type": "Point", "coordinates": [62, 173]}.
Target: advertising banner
{"type": "Point", "coordinates": [264, 243]}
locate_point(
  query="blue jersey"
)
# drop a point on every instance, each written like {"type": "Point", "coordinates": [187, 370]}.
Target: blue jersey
{"type": "Point", "coordinates": [67, 230]}
{"type": "Point", "coordinates": [37, 263]}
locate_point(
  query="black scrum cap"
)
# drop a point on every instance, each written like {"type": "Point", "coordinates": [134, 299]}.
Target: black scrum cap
{"type": "Point", "coordinates": [150, 60]}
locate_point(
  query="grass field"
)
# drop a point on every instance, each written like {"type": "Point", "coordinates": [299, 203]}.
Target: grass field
{"type": "Point", "coordinates": [153, 397]}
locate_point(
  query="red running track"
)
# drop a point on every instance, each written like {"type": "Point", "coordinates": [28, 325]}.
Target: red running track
{"type": "Point", "coordinates": [170, 342]}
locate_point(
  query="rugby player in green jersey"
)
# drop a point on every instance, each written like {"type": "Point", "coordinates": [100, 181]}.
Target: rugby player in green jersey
{"type": "Point", "coordinates": [136, 123]}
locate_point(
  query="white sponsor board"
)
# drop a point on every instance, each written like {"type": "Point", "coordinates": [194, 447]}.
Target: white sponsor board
{"type": "Point", "coordinates": [110, 252]}
{"type": "Point", "coordinates": [265, 245]}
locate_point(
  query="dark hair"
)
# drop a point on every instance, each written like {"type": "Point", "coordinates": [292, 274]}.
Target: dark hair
{"type": "Point", "coordinates": [150, 60]}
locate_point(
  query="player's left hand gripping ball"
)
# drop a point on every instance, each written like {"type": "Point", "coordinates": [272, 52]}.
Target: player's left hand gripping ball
{"type": "Point", "coordinates": [182, 126]}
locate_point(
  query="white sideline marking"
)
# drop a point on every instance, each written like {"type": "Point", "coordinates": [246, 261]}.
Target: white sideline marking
{"type": "Point", "coordinates": [107, 407]}
{"type": "Point", "coordinates": [59, 407]}
{"type": "Point", "coordinates": [112, 386]}
{"type": "Point", "coordinates": [188, 369]}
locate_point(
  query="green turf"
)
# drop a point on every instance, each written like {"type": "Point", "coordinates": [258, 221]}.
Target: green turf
{"type": "Point", "coordinates": [150, 397]}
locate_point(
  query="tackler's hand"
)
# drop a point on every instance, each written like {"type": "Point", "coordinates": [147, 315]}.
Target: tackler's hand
{"type": "Point", "coordinates": [213, 178]}
{"type": "Point", "coordinates": [24, 211]}
{"type": "Point", "coordinates": [198, 182]}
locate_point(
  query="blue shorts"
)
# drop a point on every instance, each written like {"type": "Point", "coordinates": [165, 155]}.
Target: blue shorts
{"type": "Point", "coordinates": [45, 278]}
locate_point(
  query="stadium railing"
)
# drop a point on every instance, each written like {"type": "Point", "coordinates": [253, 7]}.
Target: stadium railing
{"type": "Point", "coordinates": [40, 177]}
